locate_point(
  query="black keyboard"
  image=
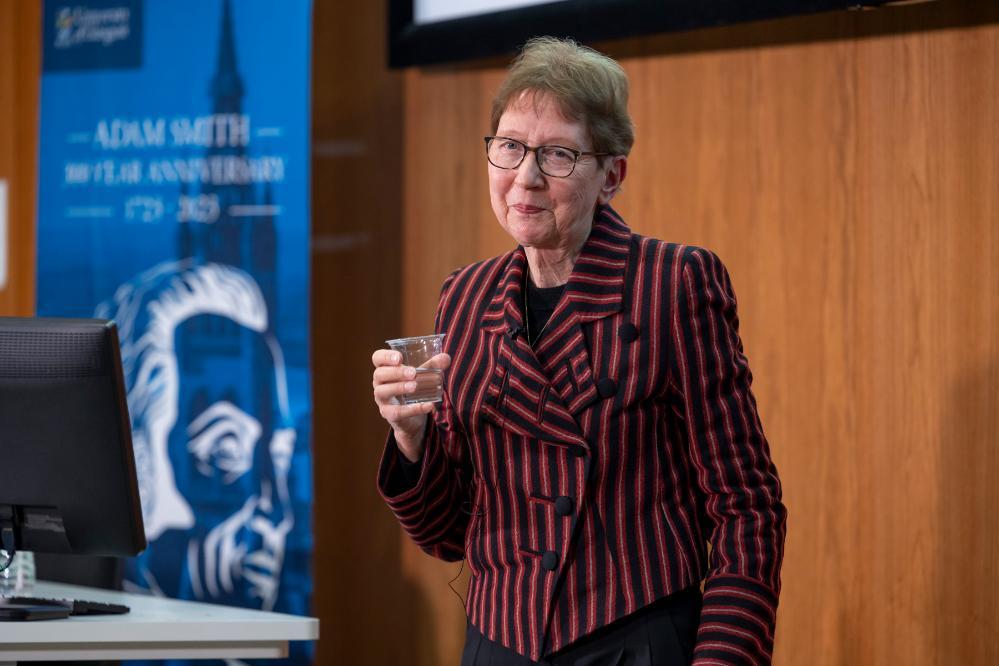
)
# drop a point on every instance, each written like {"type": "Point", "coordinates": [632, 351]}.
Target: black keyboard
{"type": "Point", "coordinates": [74, 606]}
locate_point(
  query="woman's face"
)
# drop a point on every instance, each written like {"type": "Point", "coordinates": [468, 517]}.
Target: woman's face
{"type": "Point", "coordinates": [542, 211]}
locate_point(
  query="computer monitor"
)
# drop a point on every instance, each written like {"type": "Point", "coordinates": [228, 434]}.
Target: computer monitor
{"type": "Point", "coordinates": [67, 474]}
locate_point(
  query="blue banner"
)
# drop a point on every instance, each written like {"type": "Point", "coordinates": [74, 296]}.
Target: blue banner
{"type": "Point", "coordinates": [174, 198]}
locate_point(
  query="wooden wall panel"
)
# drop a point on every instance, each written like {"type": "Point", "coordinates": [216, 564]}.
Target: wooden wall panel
{"type": "Point", "coordinates": [362, 597]}
{"type": "Point", "coordinates": [20, 65]}
{"type": "Point", "coordinates": [845, 168]}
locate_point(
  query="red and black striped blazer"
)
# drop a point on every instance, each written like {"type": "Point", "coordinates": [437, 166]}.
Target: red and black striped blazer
{"type": "Point", "coordinates": [584, 478]}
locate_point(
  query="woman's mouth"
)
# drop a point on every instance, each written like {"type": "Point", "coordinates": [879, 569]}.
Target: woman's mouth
{"type": "Point", "coordinates": [525, 209]}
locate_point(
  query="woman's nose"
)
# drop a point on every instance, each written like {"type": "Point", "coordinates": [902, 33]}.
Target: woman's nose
{"type": "Point", "coordinates": [528, 173]}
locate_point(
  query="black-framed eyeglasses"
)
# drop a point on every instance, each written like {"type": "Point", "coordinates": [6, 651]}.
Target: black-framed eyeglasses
{"type": "Point", "coordinates": [556, 161]}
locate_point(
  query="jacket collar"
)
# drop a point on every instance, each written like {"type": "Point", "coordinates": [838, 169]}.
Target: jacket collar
{"type": "Point", "coordinates": [595, 288]}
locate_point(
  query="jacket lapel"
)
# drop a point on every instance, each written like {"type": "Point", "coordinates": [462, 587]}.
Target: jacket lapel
{"type": "Point", "coordinates": [539, 393]}
{"type": "Point", "coordinates": [595, 290]}
{"type": "Point", "coordinates": [518, 396]}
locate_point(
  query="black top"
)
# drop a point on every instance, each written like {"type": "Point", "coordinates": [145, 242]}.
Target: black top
{"type": "Point", "coordinates": [541, 302]}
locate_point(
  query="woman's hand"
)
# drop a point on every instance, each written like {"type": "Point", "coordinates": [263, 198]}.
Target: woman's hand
{"type": "Point", "coordinates": [391, 380]}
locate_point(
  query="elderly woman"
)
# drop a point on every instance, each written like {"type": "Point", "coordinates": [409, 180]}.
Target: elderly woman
{"type": "Point", "coordinates": [598, 429]}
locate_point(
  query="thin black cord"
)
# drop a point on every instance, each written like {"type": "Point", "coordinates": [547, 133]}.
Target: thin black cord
{"type": "Point", "coordinates": [450, 584]}
{"type": "Point", "coordinates": [474, 511]}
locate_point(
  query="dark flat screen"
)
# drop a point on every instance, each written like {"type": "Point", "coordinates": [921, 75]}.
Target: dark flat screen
{"type": "Point", "coordinates": [67, 476]}
{"type": "Point", "coordinates": [478, 33]}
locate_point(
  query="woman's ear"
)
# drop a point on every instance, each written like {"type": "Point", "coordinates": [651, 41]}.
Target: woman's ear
{"type": "Point", "coordinates": [616, 171]}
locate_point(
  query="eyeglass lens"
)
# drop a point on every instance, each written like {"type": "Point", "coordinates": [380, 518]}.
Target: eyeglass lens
{"type": "Point", "coordinates": [552, 160]}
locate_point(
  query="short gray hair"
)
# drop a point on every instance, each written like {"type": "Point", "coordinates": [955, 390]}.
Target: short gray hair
{"type": "Point", "coordinates": [585, 84]}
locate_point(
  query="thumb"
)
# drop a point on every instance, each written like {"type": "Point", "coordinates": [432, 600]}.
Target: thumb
{"type": "Point", "coordinates": [439, 362]}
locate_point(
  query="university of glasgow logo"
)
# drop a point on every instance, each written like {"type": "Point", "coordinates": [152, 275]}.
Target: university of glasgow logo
{"type": "Point", "coordinates": [97, 34]}
{"type": "Point", "coordinates": [64, 28]}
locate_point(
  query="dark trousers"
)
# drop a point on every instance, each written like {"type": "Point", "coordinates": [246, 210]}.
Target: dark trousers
{"type": "Point", "coordinates": [661, 634]}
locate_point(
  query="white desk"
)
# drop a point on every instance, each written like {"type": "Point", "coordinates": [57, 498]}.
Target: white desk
{"type": "Point", "coordinates": [157, 628]}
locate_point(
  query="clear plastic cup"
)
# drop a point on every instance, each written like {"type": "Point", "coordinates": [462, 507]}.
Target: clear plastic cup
{"type": "Point", "coordinates": [419, 352]}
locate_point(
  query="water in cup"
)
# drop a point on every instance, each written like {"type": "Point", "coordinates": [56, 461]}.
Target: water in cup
{"type": "Point", "coordinates": [429, 386]}
{"type": "Point", "coordinates": [419, 352]}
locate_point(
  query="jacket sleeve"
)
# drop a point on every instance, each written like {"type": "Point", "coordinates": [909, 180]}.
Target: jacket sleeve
{"type": "Point", "coordinates": [433, 510]}
{"type": "Point", "coordinates": [736, 477]}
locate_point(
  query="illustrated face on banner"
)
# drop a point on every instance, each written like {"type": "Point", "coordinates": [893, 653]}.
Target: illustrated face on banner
{"type": "Point", "coordinates": [213, 435]}
{"type": "Point", "coordinates": [230, 450]}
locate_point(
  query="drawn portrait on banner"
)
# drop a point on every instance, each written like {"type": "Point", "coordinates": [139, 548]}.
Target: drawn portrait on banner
{"type": "Point", "coordinates": [212, 431]}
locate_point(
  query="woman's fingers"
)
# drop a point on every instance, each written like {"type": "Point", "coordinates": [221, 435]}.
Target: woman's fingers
{"type": "Point", "coordinates": [385, 392]}
{"type": "Point", "coordinates": [395, 413]}
{"type": "Point", "coordinates": [391, 380]}
{"type": "Point", "coordinates": [392, 373]}
{"type": "Point", "coordinates": [385, 357]}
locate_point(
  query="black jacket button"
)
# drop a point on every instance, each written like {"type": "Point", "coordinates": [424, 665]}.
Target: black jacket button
{"type": "Point", "coordinates": [628, 332]}
{"type": "Point", "coordinates": [549, 560]}
{"type": "Point", "coordinates": [563, 505]}
{"type": "Point", "coordinates": [606, 387]}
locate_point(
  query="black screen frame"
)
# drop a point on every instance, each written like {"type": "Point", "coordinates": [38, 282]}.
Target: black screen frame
{"type": "Point", "coordinates": [496, 33]}
{"type": "Point", "coordinates": [69, 482]}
